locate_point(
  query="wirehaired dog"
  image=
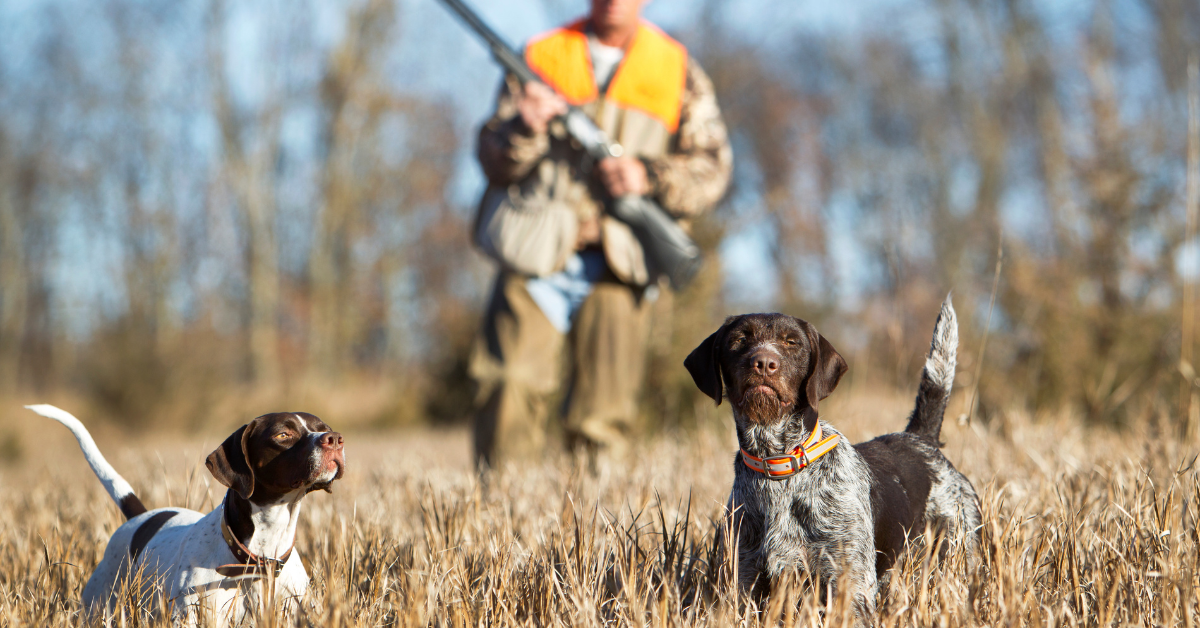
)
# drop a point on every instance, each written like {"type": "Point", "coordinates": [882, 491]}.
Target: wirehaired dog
{"type": "Point", "coordinates": [803, 499]}
{"type": "Point", "coordinates": [221, 566]}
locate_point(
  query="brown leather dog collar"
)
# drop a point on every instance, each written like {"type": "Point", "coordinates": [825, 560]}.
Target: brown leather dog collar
{"type": "Point", "coordinates": [249, 563]}
{"type": "Point", "coordinates": [789, 464]}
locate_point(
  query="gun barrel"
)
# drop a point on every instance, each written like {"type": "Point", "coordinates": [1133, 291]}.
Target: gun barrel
{"type": "Point", "coordinates": [504, 54]}
{"type": "Point", "coordinates": [579, 125]}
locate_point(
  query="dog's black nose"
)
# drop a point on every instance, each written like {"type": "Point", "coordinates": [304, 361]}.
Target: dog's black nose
{"type": "Point", "coordinates": [765, 362]}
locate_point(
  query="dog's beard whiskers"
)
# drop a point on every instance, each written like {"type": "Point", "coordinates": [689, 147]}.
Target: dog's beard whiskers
{"type": "Point", "coordinates": [762, 408]}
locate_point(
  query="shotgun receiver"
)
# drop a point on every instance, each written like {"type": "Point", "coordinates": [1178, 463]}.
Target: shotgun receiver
{"type": "Point", "coordinates": [669, 250]}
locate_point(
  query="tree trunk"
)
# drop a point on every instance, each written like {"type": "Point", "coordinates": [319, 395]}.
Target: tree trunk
{"type": "Point", "coordinates": [258, 202]}
{"type": "Point", "coordinates": [250, 178]}
{"type": "Point", "coordinates": [13, 280]}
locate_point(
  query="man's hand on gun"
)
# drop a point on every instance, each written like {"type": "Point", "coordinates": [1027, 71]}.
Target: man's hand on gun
{"type": "Point", "coordinates": [538, 105]}
{"type": "Point", "coordinates": [622, 176]}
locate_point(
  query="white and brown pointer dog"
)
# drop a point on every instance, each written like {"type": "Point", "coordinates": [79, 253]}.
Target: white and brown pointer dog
{"type": "Point", "coordinates": [215, 567]}
{"type": "Point", "coordinates": [803, 498]}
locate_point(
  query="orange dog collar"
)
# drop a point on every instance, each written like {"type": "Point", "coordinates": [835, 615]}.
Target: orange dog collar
{"type": "Point", "coordinates": [787, 465]}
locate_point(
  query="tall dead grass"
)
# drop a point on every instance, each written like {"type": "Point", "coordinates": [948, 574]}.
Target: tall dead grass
{"type": "Point", "coordinates": [1083, 527]}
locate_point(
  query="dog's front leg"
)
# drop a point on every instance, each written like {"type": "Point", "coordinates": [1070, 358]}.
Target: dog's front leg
{"type": "Point", "coordinates": [291, 588]}
{"type": "Point", "coordinates": [853, 573]}
{"type": "Point", "coordinates": [754, 578]}
{"type": "Point", "coordinates": [741, 541]}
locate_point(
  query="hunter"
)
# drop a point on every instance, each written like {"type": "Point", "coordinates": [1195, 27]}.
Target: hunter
{"type": "Point", "coordinates": [571, 276]}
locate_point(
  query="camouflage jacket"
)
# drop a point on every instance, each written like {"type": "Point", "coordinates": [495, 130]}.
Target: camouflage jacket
{"type": "Point", "coordinates": [687, 180]}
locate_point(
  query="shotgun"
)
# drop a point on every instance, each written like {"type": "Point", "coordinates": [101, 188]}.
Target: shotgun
{"type": "Point", "coordinates": [669, 250]}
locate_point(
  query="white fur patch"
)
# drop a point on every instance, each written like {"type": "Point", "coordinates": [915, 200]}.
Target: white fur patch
{"type": "Point", "coordinates": [943, 350]}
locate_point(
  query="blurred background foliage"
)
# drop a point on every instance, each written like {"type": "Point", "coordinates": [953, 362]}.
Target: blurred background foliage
{"type": "Point", "coordinates": [216, 208]}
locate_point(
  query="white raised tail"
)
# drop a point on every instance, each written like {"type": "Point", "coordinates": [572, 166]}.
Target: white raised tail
{"type": "Point", "coordinates": [117, 487]}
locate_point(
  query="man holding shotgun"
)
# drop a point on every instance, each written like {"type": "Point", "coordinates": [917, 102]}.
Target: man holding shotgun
{"type": "Point", "coordinates": [572, 273]}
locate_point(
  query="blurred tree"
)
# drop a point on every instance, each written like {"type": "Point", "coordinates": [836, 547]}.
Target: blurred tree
{"type": "Point", "coordinates": [250, 154]}
{"type": "Point", "coordinates": [14, 278]}
{"type": "Point", "coordinates": [252, 201]}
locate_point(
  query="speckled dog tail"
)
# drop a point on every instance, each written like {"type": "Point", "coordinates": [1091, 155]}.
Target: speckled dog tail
{"type": "Point", "coordinates": [938, 377]}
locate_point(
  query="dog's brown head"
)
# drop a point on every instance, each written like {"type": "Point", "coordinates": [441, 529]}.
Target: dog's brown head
{"type": "Point", "coordinates": [772, 366]}
{"type": "Point", "coordinates": [277, 454]}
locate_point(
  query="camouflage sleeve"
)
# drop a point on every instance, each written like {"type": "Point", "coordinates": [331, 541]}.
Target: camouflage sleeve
{"type": "Point", "coordinates": [694, 174]}
{"type": "Point", "coordinates": [508, 149]}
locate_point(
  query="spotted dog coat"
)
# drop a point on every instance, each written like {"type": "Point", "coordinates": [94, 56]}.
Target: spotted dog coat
{"type": "Point", "coordinates": [269, 465]}
{"type": "Point", "coordinates": [846, 516]}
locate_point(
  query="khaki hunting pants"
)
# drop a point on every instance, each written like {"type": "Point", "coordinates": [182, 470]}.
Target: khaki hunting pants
{"type": "Point", "coordinates": [518, 362]}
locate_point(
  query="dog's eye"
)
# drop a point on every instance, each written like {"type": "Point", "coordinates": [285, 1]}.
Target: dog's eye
{"type": "Point", "coordinates": [791, 342]}
{"type": "Point", "coordinates": [283, 436]}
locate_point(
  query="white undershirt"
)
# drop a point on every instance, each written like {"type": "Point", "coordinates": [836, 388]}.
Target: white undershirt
{"type": "Point", "coordinates": [605, 60]}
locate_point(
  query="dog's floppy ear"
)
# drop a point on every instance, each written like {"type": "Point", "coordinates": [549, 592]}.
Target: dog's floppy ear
{"type": "Point", "coordinates": [705, 365]}
{"type": "Point", "coordinates": [826, 366]}
{"type": "Point", "coordinates": [230, 462]}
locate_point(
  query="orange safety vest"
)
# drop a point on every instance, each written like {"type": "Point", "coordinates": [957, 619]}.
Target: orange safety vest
{"type": "Point", "coordinates": [650, 79]}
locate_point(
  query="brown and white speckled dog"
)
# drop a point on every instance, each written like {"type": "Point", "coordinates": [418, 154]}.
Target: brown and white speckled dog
{"type": "Point", "coordinates": [802, 497]}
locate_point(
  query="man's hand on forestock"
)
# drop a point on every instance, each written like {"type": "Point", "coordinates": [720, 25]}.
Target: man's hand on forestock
{"type": "Point", "coordinates": [622, 176]}
{"type": "Point", "coordinates": [538, 105]}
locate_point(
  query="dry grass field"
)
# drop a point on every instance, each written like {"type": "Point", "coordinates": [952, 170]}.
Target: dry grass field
{"type": "Point", "coordinates": [1082, 527]}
